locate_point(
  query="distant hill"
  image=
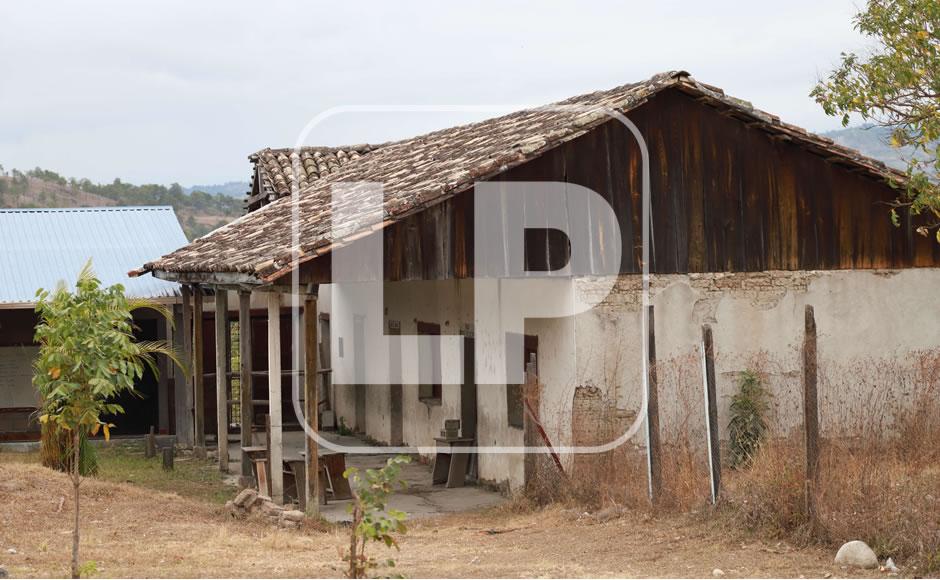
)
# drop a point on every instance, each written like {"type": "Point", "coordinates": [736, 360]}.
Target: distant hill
{"type": "Point", "coordinates": [230, 188]}
{"type": "Point", "coordinates": [199, 212]}
{"type": "Point", "coordinates": [873, 141]}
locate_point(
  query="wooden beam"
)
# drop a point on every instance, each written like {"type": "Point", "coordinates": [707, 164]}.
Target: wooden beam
{"type": "Point", "coordinates": [184, 401]}
{"type": "Point", "coordinates": [199, 407]}
{"type": "Point", "coordinates": [164, 333]}
{"type": "Point", "coordinates": [652, 415]}
{"type": "Point", "coordinates": [212, 278]}
{"type": "Point", "coordinates": [221, 376]}
{"type": "Point", "coordinates": [311, 399]}
{"type": "Point", "coordinates": [711, 412]}
{"type": "Point", "coordinates": [276, 450]}
{"type": "Point", "coordinates": [245, 378]}
{"type": "Point", "coordinates": [810, 412]}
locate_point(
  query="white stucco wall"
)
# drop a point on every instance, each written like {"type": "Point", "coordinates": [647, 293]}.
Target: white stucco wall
{"type": "Point", "coordinates": [873, 327]}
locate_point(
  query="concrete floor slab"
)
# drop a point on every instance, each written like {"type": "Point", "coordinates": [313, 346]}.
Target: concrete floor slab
{"type": "Point", "coordinates": [420, 499]}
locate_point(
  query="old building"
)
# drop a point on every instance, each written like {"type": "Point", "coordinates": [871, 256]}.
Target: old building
{"type": "Point", "coordinates": [40, 248]}
{"type": "Point", "coordinates": [750, 220]}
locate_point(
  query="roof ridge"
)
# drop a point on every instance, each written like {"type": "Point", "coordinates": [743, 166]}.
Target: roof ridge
{"type": "Point", "coordinates": [87, 209]}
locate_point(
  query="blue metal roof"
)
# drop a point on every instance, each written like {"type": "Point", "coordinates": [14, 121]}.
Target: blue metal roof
{"type": "Point", "coordinates": [40, 247]}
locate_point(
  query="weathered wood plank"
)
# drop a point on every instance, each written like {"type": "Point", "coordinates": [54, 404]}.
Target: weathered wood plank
{"type": "Point", "coordinates": [245, 377]}
{"type": "Point", "coordinates": [221, 376]}
{"type": "Point", "coordinates": [311, 400]}
{"type": "Point", "coordinates": [276, 448]}
{"type": "Point", "coordinates": [199, 409]}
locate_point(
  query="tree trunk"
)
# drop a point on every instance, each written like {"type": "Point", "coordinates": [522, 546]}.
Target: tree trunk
{"type": "Point", "coordinates": [76, 446]}
{"type": "Point", "coordinates": [354, 545]}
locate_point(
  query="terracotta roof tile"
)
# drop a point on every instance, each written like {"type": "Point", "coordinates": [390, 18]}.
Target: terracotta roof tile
{"type": "Point", "coordinates": [427, 169]}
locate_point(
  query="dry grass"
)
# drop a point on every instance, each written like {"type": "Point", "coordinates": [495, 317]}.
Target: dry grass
{"type": "Point", "coordinates": [129, 531]}
{"type": "Point", "coordinates": [123, 461]}
{"type": "Point", "coordinates": [880, 485]}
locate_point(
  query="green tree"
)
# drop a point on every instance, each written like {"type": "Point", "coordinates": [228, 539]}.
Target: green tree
{"type": "Point", "coordinates": [897, 85]}
{"type": "Point", "coordinates": [87, 356]}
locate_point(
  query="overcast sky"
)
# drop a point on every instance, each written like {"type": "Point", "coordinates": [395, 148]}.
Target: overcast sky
{"type": "Point", "coordinates": [184, 91]}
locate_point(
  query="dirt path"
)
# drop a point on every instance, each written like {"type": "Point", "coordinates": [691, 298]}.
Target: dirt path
{"type": "Point", "coordinates": [130, 531]}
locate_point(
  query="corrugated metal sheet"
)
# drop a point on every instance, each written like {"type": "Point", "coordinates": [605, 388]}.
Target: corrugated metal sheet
{"type": "Point", "coordinates": [40, 247]}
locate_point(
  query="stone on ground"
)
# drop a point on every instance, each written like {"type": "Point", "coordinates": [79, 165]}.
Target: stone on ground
{"type": "Point", "coordinates": [293, 515]}
{"type": "Point", "coordinates": [856, 553]}
{"type": "Point", "coordinates": [246, 498]}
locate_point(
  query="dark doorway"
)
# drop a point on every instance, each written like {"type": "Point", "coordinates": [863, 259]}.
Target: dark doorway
{"type": "Point", "coordinates": [142, 406]}
{"type": "Point", "coordinates": [359, 360]}
{"type": "Point", "coordinates": [468, 391]}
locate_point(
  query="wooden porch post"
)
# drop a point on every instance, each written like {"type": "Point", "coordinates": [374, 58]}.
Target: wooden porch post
{"type": "Point", "coordinates": [164, 333]}
{"type": "Point", "coordinates": [221, 375]}
{"type": "Point", "coordinates": [199, 408]}
{"type": "Point", "coordinates": [184, 398]}
{"type": "Point", "coordinates": [276, 452]}
{"type": "Point", "coordinates": [245, 382]}
{"type": "Point", "coordinates": [311, 400]}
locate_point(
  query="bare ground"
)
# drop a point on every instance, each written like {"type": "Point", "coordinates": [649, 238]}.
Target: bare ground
{"type": "Point", "coordinates": [129, 531]}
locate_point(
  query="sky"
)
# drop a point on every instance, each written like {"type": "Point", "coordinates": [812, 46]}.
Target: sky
{"type": "Point", "coordinates": [162, 92]}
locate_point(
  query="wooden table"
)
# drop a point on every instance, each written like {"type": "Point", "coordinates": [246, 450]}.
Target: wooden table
{"type": "Point", "coordinates": [332, 467]}
{"type": "Point", "coordinates": [450, 466]}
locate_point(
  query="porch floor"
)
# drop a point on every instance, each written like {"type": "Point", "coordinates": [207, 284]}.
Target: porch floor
{"type": "Point", "coordinates": [420, 499]}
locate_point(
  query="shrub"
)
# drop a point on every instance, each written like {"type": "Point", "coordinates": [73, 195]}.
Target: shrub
{"type": "Point", "coordinates": [373, 521]}
{"type": "Point", "coordinates": [748, 424]}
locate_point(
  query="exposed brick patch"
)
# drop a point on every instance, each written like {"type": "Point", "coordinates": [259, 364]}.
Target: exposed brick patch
{"type": "Point", "coordinates": [764, 289]}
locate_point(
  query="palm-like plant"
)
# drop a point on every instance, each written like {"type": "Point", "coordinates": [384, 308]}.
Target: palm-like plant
{"type": "Point", "coordinates": [87, 356]}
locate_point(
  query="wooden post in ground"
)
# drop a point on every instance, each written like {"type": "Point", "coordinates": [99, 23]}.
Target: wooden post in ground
{"type": "Point", "coordinates": [275, 451]}
{"type": "Point", "coordinates": [199, 406]}
{"type": "Point", "coordinates": [810, 413]}
{"type": "Point", "coordinates": [311, 399]}
{"type": "Point", "coordinates": [654, 446]}
{"type": "Point", "coordinates": [221, 376]}
{"type": "Point", "coordinates": [530, 436]}
{"type": "Point", "coordinates": [150, 446]}
{"type": "Point", "coordinates": [711, 412]}
{"type": "Point", "coordinates": [168, 458]}
{"type": "Point", "coordinates": [184, 399]}
{"type": "Point", "coordinates": [245, 379]}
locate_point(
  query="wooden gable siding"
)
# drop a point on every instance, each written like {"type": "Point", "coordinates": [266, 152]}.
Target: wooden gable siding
{"type": "Point", "coordinates": [725, 198]}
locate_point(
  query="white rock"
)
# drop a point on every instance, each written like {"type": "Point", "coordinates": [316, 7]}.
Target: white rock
{"type": "Point", "coordinates": [857, 553]}
{"type": "Point", "coordinates": [293, 515]}
{"type": "Point", "coordinates": [718, 572]}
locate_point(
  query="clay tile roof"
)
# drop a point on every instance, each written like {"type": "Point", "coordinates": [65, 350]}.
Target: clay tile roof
{"type": "Point", "coordinates": [430, 168]}
{"type": "Point", "coordinates": [276, 166]}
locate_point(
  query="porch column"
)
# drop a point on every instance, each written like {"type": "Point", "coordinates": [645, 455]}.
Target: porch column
{"type": "Point", "coordinates": [311, 401]}
{"type": "Point", "coordinates": [276, 452]}
{"type": "Point", "coordinates": [245, 380]}
{"type": "Point", "coordinates": [199, 407]}
{"type": "Point", "coordinates": [164, 365]}
{"type": "Point", "coordinates": [184, 392]}
{"type": "Point", "coordinates": [221, 375]}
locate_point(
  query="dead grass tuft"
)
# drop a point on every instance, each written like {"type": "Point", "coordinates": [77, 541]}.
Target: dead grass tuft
{"type": "Point", "coordinates": [879, 477]}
